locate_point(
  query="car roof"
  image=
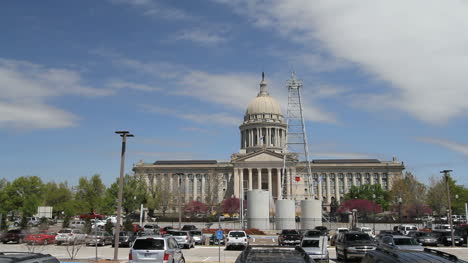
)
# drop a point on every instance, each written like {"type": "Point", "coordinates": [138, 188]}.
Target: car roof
{"type": "Point", "coordinates": [153, 237]}
{"type": "Point", "coordinates": [401, 236]}
{"type": "Point", "coordinates": [311, 238]}
{"type": "Point", "coordinates": [428, 255]}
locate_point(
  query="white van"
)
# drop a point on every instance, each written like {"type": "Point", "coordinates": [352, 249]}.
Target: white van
{"type": "Point", "coordinates": [78, 224]}
{"type": "Point", "coordinates": [405, 229]}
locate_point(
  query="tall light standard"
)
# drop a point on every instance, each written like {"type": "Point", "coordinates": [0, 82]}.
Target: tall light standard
{"type": "Point", "coordinates": [373, 210]}
{"type": "Point", "coordinates": [124, 135]}
{"type": "Point", "coordinates": [446, 177]}
{"type": "Point", "coordinates": [400, 201]}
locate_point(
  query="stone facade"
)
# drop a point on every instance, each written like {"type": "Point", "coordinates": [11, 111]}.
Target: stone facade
{"type": "Point", "coordinates": [262, 163]}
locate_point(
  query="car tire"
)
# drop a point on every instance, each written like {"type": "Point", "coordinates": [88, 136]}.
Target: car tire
{"type": "Point", "coordinates": [182, 260]}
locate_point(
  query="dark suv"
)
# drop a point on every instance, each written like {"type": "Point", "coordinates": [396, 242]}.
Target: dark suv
{"type": "Point", "coordinates": [189, 227]}
{"type": "Point", "coordinates": [354, 244]}
{"type": "Point", "coordinates": [24, 257]}
{"type": "Point", "coordinates": [14, 235]}
{"type": "Point", "coordinates": [289, 237]}
{"type": "Point", "coordinates": [271, 254]}
{"type": "Point", "coordinates": [408, 256]}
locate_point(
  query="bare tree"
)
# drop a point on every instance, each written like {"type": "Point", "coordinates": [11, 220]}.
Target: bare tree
{"type": "Point", "coordinates": [73, 247]}
{"type": "Point", "coordinates": [213, 192]}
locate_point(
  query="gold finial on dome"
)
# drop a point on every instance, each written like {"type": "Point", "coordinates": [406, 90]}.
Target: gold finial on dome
{"type": "Point", "coordinates": [263, 86]}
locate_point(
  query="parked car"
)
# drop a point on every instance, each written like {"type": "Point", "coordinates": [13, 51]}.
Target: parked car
{"type": "Point", "coordinates": [164, 230]}
{"type": "Point", "coordinates": [405, 229]}
{"type": "Point", "coordinates": [156, 249]}
{"type": "Point", "coordinates": [189, 227]}
{"type": "Point", "coordinates": [150, 229]}
{"type": "Point", "coordinates": [70, 236]}
{"type": "Point", "coordinates": [79, 224]}
{"type": "Point", "coordinates": [442, 228]}
{"type": "Point", "coordinates": [33, 221]}
{"type": "Point", "coordinates": [338, 231]}
{"type": "Point", "coordinates": [137, 228]}
{"type": "Point", "coordinates": [184, 238]}
{"type": "Point", "coordinates": [27, 257]}
{"type": "Point", "coordinates": [289, 237]}
{"type": "Point", "coordinates": [126, 239]}
{"type": "Point", "coordinates": [312, 233]}
{"type": "Point", "coordinates": [41, 238]}
{"type": "Point", "coordinates": [409, 256]}
{"type": "Point", "coordinates": [366, 230]}
{"type": "Point", "coordinates": [400, 242]}
{"type": "Point", "coordinates": [425, 238]}
{"type": "Point", "coordinates": [273, 254]}
{"type": "Point", "coordinates": [237, 239]}
{"type": "Point", "coordinates": [198, 237]}
{"type": "Point", "coordinates": [316, 247]}
{"type": "Point", "coordinates": [101, 238]}
{"type": "Point", "coordinates": [14, 235]}
{"type": "Point", "coordinates": [324, 230]}
{"type": "Point", "coordinates": [99, 223]}
{"type": "Point", "coordinates": [92, 216]}
{"type": "Point", "coordinates": [353, 244]}
{"type": "Point", "coordinates": [215, 241]}
{"type": "Point", "coordinates": [445, 238]}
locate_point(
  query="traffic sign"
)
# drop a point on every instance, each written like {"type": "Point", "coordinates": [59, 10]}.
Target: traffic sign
{"type": "Point", "coordinates": [219, 234]}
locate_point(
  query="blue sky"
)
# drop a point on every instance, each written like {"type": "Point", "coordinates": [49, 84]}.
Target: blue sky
{"type": "Point", "coordinates": [381, 79]}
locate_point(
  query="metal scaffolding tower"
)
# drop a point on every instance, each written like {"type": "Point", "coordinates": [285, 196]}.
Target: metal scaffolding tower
{"type": "Point", "coordinates": [296, 141]}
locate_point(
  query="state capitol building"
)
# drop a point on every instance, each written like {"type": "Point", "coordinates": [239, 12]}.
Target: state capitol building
{"type": "Point", "coordinates": [260, 164]}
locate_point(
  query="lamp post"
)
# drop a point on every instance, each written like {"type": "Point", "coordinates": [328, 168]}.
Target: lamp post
{"type": "Point", "coordinates": [124, 135]}
{"type": "Point", "coordinates": [373, 210]}
{"type": "Point", "coordinates": [449, 202]}
{"type": "Point", "coordinates": [400, 201]}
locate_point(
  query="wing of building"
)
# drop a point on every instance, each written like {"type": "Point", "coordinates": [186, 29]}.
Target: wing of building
{"type": "Point", "coordinates": [262, 163]}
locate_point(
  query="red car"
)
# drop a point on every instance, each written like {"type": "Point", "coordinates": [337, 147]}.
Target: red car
{"type": "Point", "coordinates": [92, 216]}
{"type": "Point", "coordinates": [42, 238]}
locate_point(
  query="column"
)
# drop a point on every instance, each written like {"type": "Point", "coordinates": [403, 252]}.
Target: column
{"type": "Point", "coordinates": [203, 186]}
{"type": "Point", "coordinates": [241, 181]}
{"type": "Point", "coordinates": [288, 183]}
{"type": "Point", "coordinates": [250, 178]}
{"type": "Point", "coordinates": [195, 186]}
{"type": "Point", "coordinates": [319, 190]}
{"type": "Point", "coordinates": [292, 179]}
{"type": "Point", "coordinates": [170, 182]}
{"type": "Point", "coordinates": [236, 182]}
{"type": "Point", "coordinates": [278, 183]}
{"type": "Point", "coordinates": [328, 188]}
{"type": "Point", "coordinates": [380, 179]}
{"type": "Point", "coordinates": [363, 178]}
{"type": "Point", "coordinates": [345, 183]}
{"type": "Point", "coordinates": [354, 179]}
{"type": "Point", "coordinates": [187, 181]}
{"type": "Point", "coordinates": [259, 177]}
{"type": "Point", "coordinates": [371, 178]}
{"type": "Point", "coordinates": [337, 188]}
{"type": "Point", "coordinates": [270, 185]}
{"type": "Point", "coordinates": [268, 134]}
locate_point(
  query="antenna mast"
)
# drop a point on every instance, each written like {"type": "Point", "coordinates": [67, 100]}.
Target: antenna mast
{"type": "Point", "coordinates": [296, 139]}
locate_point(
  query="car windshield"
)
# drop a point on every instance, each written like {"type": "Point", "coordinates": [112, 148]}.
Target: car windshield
{"type": "Point", "coordinates": [290, 232]}
{"type": "Point", "coordinates": [427, 234]}
{"type": "Point", "coordinates": [65, 231]}
{"type": "Point", "coordinates": [413, 228]}
{"type": "Point", "coordinates": [405, 242]}
{"type": "Point", "coordinates": [196, 233]}
{"type": "Point", "coordinates": [148, 226]}
{"type": "Point", "coordinates": [179, 234]}
{"type": "Point", "coordinates": [310, 243]}
{"type": "Point", "coordinates": [237, 234]}
{"type": "Point", "coordinates": [148, 244]}
{"type": "Point", "coordinates": [312, 233]}
{"type": "Point", "coordinates": [357, 237]}
{"type": "Point", "coordinates": [343, 230]}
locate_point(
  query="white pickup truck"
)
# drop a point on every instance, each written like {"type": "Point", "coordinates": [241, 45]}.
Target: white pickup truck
{"type": "Point", "coordinates": [237, 239]}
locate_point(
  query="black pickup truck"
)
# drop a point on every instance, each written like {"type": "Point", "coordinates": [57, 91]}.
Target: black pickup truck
{"type": "Point", "coordinates": [289, 237]}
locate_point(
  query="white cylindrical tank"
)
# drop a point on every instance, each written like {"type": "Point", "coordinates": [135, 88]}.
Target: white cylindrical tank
{"type": "Point", "coordinates": [311, 214]}
{"type": "Point", "coordinates": [285, 214]}
{"type": "Point", "coordinates": [258, 209]}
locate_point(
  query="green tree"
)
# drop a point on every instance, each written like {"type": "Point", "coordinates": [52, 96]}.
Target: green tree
{"type": "Point", "coordinates": [412, 194]}
{"type": "Point", "coordinates": [90, 193]}
{"type": "Point", "coordinates": [133, 194]}
{"type": "Point", "coordinates": [24, 194]}
{"type": "Point", "coordinates": [367, 192]}
{"type": "Point", "coordinates": [57, 195]}
{"type": "Point", "coordinates": [437, 195]}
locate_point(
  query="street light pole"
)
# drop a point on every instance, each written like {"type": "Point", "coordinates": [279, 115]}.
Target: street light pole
{"type": "Point", "coordinates": [124, 135]}
{"type": "Point", "coordinates": [400, 201]}
{"type": "Point", "coordinates": [446, 177]}
{"type": "Point", "coordinates": [374, 205]}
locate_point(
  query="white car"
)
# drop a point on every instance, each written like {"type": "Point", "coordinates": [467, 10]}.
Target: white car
{"type": "Point", "coordinates": [99, 223]}
{"type": "Point", "coordinates": [316, 248]}
{"type": "Point", "coordinates": [237, 239]}
{"type": "Point", "coordinates": [155, 249]}
{"type": "Point", "coordinates": [70, 236]}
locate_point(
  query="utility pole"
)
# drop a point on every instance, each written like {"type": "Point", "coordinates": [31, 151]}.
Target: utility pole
{"type": "Point", "coordinates": [124, 135]}
{"type": "Point", "coordinates": [446, 177]}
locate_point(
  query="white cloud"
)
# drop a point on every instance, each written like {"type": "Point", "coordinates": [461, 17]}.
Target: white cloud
{"type": "Point", "coordinates": [154, 9]}
{"type": "Point", "coordinates": [120, 84]}
{"type": "Point", "coordinates": [200, 36]}
{"type": "Point", "coordinates": [417, 47]}
{"type": "Point", "coordinates": [210, 118]}
{"type": "Point", "coordinates": [453, 146]}
{"type": "Point", "coordinates": [26, 88]}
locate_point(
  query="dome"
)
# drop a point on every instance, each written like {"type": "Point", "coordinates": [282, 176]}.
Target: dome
{"type": "Point", "coordinates": [263, 103]}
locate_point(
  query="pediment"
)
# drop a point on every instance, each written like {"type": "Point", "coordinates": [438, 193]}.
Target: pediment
{"type": "Point", "coordinates": [263, 156]}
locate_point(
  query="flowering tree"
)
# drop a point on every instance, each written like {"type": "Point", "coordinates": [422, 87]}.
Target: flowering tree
{"type": "Point", "coordinates": [230, 205]}
{"type": "Point", "coordinates": [363, 206]}
{"type": "Point", "coordinates": [196, 208]}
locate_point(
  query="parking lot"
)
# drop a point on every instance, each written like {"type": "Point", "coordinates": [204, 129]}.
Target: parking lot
{"type": "Point", "coordinates": [197, 254]}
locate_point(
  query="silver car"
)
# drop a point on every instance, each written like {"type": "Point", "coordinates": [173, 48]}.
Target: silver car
{"type": "Point", "coordinates": [70, 236]}
{"type": "Point", "coordinates": [155, 249]}
{"type": "Point", "coordinates": [316, 248]}
{"type": "Point", "coordinates": [100, 238]}
{"type": "Point", "coordinates": [198, 237]}
{"type": "Point", "coordinates": [400, 242]}
{"type": "Point", "coordinates": [184, 238]}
